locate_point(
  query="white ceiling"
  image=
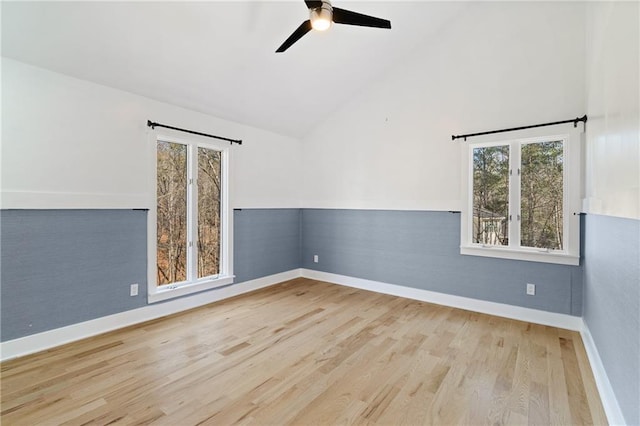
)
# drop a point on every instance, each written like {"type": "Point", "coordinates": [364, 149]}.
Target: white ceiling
{"type": "Point", "coordinates": [219, 57]}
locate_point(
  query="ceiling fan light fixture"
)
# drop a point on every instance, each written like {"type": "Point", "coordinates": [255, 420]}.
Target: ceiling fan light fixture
{"type": "Point", "coordinates": [321, 17]}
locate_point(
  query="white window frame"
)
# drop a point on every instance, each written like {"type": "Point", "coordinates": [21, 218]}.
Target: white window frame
{"type": "Point", "coordinates": [193, 284]}
{"type": "Point", "coordinates": [570, 254]}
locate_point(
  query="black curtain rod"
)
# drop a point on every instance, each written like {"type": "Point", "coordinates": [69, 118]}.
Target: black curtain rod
{"type": "Point", "coordinates": [154, 125]}
{"type": "Point", "coordinates": [574, 121]}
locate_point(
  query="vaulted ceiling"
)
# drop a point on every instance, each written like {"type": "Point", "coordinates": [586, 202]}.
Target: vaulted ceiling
{"type": "Point", "coordinates": [219, 57]}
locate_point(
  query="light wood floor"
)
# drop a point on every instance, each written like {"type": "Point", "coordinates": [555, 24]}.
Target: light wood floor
{"type": "Point", "coordinates": [308, 352]}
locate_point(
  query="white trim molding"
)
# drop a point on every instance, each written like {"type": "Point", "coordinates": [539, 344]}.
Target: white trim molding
{"type": "Point", "coordinates": [607, 396]}
{"type": "Point", "coordinates": [521, 254]}
{"type": "Point", "coordinates": [491, 308]}
{"type": "Point", "coordinates": [71, 333]}
{"type": "Point", "coordinates": [72, 200]}
{"type": "Point", "coordinates": [397, 205]}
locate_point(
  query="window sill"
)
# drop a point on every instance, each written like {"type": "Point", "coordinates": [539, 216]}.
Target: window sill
{"type": "Point", "coordinates": [186, 289]}
{"type": "Point", "coordinates": [526, 255]}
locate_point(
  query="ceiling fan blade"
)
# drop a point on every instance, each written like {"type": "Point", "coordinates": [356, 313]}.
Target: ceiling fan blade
{"type": "Point", "coordinates": [313, 4]}
{"type": "Point", "coordinates": [341, 16]}
{"type": "Point", "coordinates": [304, 28]}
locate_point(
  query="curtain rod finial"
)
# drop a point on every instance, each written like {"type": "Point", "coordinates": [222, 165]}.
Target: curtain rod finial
{"type": "Point", "coordinates": [583, 119]}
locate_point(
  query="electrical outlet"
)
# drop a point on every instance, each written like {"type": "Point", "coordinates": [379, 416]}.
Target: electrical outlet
{"type": "Point", "coordinates": [315, 258]}
{"type": "Point", "coordinates": [134, 290]}
{"type": "Point", "coordinates": [531, 289]}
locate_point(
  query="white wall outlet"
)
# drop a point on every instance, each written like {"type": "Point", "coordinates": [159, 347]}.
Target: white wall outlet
{"type": "Point", "coordinates": [531, 289]}
{"type": "Point", "coordinates": [134, 290]}
{"type": "Point", "coordinates": [315, 258]}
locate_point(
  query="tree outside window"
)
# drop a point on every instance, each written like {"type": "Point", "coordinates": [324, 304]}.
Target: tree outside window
{"type": "Point", "coordinates": [518, 195]}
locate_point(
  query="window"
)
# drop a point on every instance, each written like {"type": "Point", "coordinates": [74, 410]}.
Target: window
{"type": "Point", "coordinates": [190, 230]}
{"type": "Point", "coordinates": [522, 197]}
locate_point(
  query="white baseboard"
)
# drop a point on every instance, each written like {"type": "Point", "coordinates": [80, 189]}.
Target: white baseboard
{"type": "Point", "coordinates": [492, 308]}
{"type": "Point", "coordinates": [608, 398]}
{"type": "Point", "coordinates": [52, 338]}
{"type": "Point", "coordinates": [59, 336]}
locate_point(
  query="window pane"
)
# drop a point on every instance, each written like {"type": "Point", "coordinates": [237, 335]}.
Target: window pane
{"type": "Point", "coordinates": [209, 180]}
{"type": "Point", "coordinates": [541, 195]}
{"type": "Point", "coordinates": [491, 195]}
{"type": "Point", "coordinates": [172, 212]}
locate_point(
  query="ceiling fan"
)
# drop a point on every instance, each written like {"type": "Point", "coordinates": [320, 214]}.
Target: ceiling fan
{"type": "Point", "coordinates": [322, 14]}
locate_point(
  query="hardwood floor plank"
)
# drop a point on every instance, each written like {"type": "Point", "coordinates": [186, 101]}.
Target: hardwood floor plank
{"type": "Point", "coordinates": [539, 405]}
{"type": "Point", "coordinates": [578, 402]}
{"type": "Point", "coordinates": [309, 352]}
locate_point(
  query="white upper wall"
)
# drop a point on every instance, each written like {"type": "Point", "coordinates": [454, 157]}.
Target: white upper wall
{"type": "Point", "coordinates": [613, 99]}
{"type": "Point", "coordinates": [69, 143]}
{"type": "Point", "coordinates": [496, 65]}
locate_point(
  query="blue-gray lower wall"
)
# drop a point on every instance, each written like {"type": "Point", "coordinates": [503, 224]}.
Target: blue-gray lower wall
{"type": "Point", "coordinates": [612, 304]}
{"type": "Point", "coordinates": [266, 242]}
{"type": "Point", "coordinates": [61, 267]}
{"type": "Point", "coordinates": [420, 249]}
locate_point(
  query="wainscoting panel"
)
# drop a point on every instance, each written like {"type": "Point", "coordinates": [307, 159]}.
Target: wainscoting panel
{"type": "Point", "coordinates": [612, 304]}
{"type": "Point", "coordinates": [420, 249]}
{"type": "Point", "coordinates": [266, 242]}
{"type": "Point", "coordinates": [61, 267]}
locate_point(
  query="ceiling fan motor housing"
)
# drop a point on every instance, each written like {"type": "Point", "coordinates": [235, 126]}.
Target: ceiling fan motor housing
{"type": "Point", "coordinates": [321, 17]}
